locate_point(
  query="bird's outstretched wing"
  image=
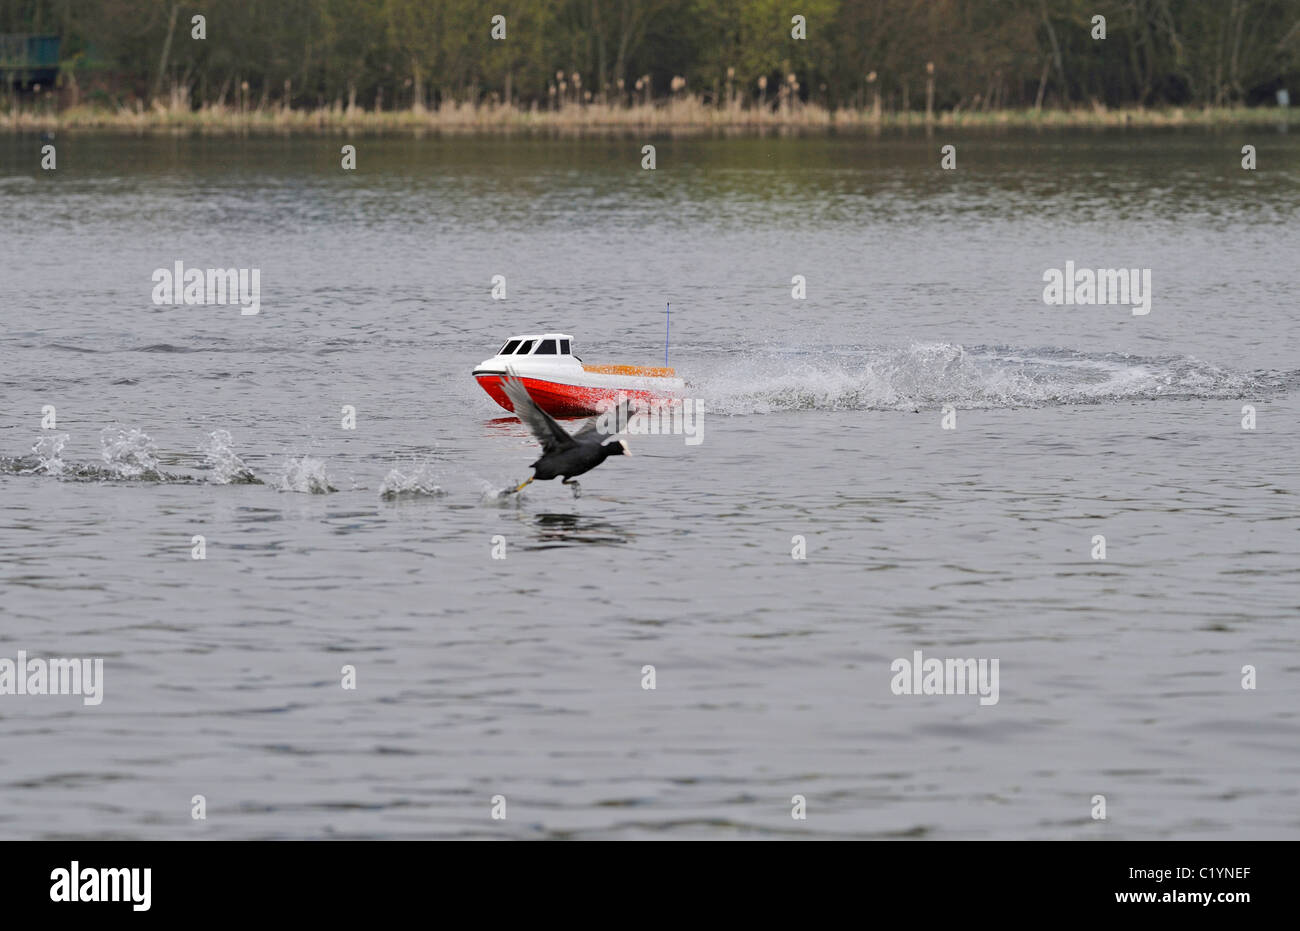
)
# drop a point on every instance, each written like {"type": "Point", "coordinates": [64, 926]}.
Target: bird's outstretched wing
{"type": "Point", "coordinates": [550, 434]}
{"type": "Point", "coordinates": [618, 419]}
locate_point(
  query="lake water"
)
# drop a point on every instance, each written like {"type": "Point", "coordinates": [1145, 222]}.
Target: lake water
{"type": "Point", "coordinates": [522, 677]}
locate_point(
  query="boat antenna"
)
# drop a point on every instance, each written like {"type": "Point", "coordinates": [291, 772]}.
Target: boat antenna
{"type": "Point", "coordinates": [668, 325]}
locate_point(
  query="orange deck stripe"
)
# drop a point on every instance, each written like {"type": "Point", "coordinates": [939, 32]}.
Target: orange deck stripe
{"type": "Point", "coordinates": [629, 370]}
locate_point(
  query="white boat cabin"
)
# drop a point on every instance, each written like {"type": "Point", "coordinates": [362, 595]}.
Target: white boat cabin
{"type": "Point", "coordinates": [541, 344]}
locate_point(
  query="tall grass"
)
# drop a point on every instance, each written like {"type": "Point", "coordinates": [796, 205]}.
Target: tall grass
{"type": "Point", "coordinates": [678, 115]}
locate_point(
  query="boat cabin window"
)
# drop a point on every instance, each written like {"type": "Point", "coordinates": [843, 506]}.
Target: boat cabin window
{"type": "Point", "coordinates": [564, 347]}
{"type": "Point", "coordinates": [526, 346]}
{"type": "Point", "coordinates": [547, 348]}
{"type": "Point", "coordinates": [509, 348]}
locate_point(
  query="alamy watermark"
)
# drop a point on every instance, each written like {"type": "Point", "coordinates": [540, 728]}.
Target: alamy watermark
{"type": "Point", "coordinates": [102, 884]}
{"type": "Point", "coordinates": [1123, 286]}
{"type": "Point", "coordinates": [920, 676]}
{"type": "Point", "coordinates": [234, 286]}
{"type": "Point", "coordinates": [666, 416]}
{"type": "Point", "coordinates": [37, 676]}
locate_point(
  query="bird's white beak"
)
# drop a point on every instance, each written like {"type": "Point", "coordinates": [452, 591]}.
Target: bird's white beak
{"type": "Point", "coordinates": [626, 451]}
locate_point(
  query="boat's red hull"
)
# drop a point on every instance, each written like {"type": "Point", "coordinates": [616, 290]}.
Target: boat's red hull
{"type": "Point", "coordinates": [561, 400]}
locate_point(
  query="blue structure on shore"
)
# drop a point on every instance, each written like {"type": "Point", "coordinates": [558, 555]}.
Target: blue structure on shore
{"type": "Point", "coordinates": [27, 60]}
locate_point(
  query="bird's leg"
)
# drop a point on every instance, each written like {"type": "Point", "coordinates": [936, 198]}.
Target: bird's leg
{"type": "Point", "coordinates": [577, 489]}
{"type": "Point", "coordinates": [520, 487]}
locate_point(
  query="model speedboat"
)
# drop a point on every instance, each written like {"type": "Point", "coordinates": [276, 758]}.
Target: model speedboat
{"type": "Point", "coordinates": [563, 386]}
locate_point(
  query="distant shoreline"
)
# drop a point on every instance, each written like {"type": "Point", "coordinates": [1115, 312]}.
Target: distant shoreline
{"type": "Point", "coordinates": [688, 116]}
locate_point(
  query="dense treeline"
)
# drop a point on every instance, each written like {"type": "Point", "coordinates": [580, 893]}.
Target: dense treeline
{"type": "Point", "coordinates": [389, 54]}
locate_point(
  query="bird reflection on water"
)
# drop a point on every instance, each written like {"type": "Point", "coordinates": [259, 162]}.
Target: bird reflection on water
{"type": "Point", "coordinates": [557, 530]}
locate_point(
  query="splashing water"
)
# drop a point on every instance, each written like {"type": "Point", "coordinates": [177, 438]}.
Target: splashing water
{"type": "Point", "coordinates": [492, 496]}
{"type": "Point", "coordinates": [49, 451]}
{"type": "Point", "coordinates": [305, 475]}
{"type": "Point", "coordinates": [227, 468]}
{"type": "Point", "coordinates": [933, 374]}
{"type": "Point", "coordinates": [418, 483]}
{"type": "Point", "coordinates": [129, 453]}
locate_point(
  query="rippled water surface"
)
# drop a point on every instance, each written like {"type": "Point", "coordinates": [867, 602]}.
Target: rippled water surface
{"type": "Point", "coordinates": [522, 676]}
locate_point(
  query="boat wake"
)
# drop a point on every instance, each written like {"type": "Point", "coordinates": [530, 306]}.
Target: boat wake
{"type": "Point", "coordinates": [919, 376]}
{"type": "Point", "coordinates": [928, 375]}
